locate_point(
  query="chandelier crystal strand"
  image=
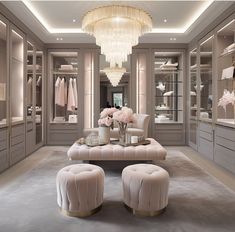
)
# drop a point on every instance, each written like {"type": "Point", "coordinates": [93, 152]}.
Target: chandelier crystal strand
{"type": "Point", "coordinates": [114, 74]}
{"type": "Point", "coordinates": [116, 29]}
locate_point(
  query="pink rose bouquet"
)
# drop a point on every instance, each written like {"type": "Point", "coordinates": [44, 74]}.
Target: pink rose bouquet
{"type": "Point", "coordinates": [125, 115]}
{"type": "Point", "coordinates": [106, 117]}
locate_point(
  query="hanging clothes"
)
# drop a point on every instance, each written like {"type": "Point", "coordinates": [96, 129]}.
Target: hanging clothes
{"type": "Point", "coordinates": [61, 96]}
{"type": "Point", "coordinates": [75, 92]}
{"type": "Point", "coordinates": [29, 91]}
{"type": "Point", "coordinates": [71, 99]}
{"type": "Point", "coordinates": [57, 85]}
{"type": "Point", "coordinates": [39, 80]}
{"type": "Point", "coordinates": [65, 91]}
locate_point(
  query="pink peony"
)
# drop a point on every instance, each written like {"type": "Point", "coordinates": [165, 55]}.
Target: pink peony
{"type": "Point", "coordinates": [125, 115]}
{"type": "Point", "coordinates": [107, 112]}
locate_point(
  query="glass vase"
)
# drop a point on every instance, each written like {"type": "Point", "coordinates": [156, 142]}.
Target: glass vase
{"type": "Point", "coordinates": [122, 132]}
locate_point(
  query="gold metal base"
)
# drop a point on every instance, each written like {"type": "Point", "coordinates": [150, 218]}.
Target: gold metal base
{"type": "Point", "coordinates": [145, 213]}
{"type": "Point", "coordinates": [80, 214]}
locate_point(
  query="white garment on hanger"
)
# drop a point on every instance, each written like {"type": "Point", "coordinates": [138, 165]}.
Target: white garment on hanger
{"type": "Point", "coordinates": [71, 101]}
{"type": "Point", "coordinates": [61, 100]}
{"type": "Point", "coordinates": [30, 91]}
{"type": "Point", "coordinates": [75, 92]}
{"type": "Point", "coordinates": [65, 92]}
{"type": "Point", "coordinates": [39, 81]}
{"type": "Point", "coordinates": [57, 85]}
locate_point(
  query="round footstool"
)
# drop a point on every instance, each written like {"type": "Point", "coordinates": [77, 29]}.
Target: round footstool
{"type": "Point", "coordinates": [145, 189]}
{"type": "Point", "coordinates": [80, 189]}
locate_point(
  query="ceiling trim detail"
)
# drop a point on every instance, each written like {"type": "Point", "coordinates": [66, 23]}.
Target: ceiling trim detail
{"type": "Point", "coordinates": [46, 25]}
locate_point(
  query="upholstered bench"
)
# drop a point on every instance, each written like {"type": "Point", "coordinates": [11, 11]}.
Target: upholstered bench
{"type": "Point", "coordinates": [145, 189]}
{"type": "Point", "coordinates": [153, 151]}
{"type": "Point", "coordinates": [80, 189]}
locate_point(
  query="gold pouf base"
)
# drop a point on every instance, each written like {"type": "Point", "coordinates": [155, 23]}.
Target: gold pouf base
{"type": "Point", "coordinates": [80, 214]}
{"type": "Point", "coordinates": [145, 213]}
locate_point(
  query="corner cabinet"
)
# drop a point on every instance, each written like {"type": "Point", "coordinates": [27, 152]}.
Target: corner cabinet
{"type": "Point", "coordinates": [169, 97]}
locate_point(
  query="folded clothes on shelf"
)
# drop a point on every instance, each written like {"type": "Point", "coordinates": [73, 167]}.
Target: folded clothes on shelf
{"type": "Point", "coordinates": [192, 93]}
{"type": "Point", "coordinates": [228, 73]}
{"type": "Point", "coordinates": [66, 67]}
{"type": "Point", "coordinates": [162, 107]}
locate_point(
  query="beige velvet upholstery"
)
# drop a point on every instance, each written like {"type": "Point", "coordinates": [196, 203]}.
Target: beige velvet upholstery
{"type": "Point", "coordinates": [138, 128]}
{"type": "Point", "coordinates": [145, 187]}
{"type": "Point", "coordinates": [80, 188]}
{"type": "Point", "coordinates": [152, 151]}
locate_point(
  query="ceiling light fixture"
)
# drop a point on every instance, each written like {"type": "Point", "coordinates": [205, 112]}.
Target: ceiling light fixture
{"type": "Point", "coordinates": [114, 74]}
{"type": "Point", "coordinates": [74, 20]}
{"type": "Point", "coordinates": [165, 20]}
{"type": "Point", "coordinates": [116, 29]}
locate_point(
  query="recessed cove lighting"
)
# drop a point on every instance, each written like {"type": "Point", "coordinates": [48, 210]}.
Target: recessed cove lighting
{"type": "Point", "coordinates": [172, 38]}
{"type": "Point", "coordinates": [183, 29]}
{"type": "Point", "coordinates": [57, 38]}
{"type": "Point", "coordinates": [61, 38]}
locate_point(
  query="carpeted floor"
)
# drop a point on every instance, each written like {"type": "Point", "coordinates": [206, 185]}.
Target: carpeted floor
{"type": "Point", "coordinates": [197, 202]}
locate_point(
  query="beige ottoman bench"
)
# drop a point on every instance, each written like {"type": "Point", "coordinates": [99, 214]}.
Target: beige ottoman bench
{"type": "Point", "coordinates": [145, 189]}
{"type": "Point", "coordinates": [80, 189]}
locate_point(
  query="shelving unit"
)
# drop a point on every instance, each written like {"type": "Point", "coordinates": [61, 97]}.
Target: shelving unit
{"type": "Point", "coordinates": [169, 97]}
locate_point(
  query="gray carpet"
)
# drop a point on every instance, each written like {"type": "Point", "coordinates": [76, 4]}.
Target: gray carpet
{"type": "Point", "coordinates": [197, 202]}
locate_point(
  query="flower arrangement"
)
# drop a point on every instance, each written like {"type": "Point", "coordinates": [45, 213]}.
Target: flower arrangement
{"type": "Point", "coordinates": [106, 117]}
{"type": "Point", "coordinates": [125, 115]}
{"type": "Point", "coordinates": [227, 98]}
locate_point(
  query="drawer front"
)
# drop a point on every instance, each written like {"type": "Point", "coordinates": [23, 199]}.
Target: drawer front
{"type": "Point", "coordinates": [206, 127]}
{"type": "Point", "coordinates": [225, 157]}
{"type": "Point", "coordinates": [64, 126]}
{"type": "Point", "coordinates": [225, 143]}
{"type": "Point", "coordinates": [17, 130]}
{"type": "Point", "coordinates": [17, 139]}
{"type": "Point", "coordinates": [206, 148]}
{"type": "Point", "coordinates": [226, 133]}
{"type": "Point", "coordinates": [61, 137]}
{"type": "Point", "coordinates": [17, 153]}
{"type": "Point", "coordinates": [3, 134]}
{"type": "Point", "coordinates": [3, 160]}
{"type": "Point", "coordinates": [206, 136]}
{"type": "Point", "coordinates": [170, 138]}
{"type": "Point", "coordinates": [169, 127]}
{"type": "Point", "coordinates": [3, 145]}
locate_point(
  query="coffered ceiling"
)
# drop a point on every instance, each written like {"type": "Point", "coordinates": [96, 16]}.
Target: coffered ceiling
{"type": "Point", "coordinates": [173, 21]}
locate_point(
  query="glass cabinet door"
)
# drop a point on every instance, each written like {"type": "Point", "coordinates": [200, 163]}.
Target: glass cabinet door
{"type": "Point", "coordinates": [226, 74]}
{"type": "Point", "coordinates": [3, 74]}
{"type": "Point", "coordinates": [38, 95]}
{"type": "Point", "coordinates": [205, 81]}
{"type": "Point", "coordinates": [168, 87]}
{"type": "Point", "coordinates": [29, 84]}
{"type": "Point", "coordinates": [193, 97]}
{"type": "Point", "coordinates": [16, 79]}
{"type": "Point", "coordinates": [193, 83]}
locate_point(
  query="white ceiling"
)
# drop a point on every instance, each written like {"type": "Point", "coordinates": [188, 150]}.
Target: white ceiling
{"type": "Point", "coordinates": [58, 16]}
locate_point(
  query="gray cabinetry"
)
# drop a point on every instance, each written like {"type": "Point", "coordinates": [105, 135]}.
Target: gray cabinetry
{"type": "Point", "coordinates": [4, 160]}
{"type": "Point", "coordinates": [170, 134]}
{"type": "Point", "coordinates": [205, 137]}
{"type": "Point", "coordinates": [225, 147]}
{"type": "Point", "coordinates": [17, 149]}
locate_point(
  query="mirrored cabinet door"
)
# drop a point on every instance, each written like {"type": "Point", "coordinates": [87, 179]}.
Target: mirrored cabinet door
{"type": "Point", "coordinates": [114, 94]}
{"type": "Point", "coordinates": [205, 81]}
{"type": "Point", "coordinates": [3, 74]}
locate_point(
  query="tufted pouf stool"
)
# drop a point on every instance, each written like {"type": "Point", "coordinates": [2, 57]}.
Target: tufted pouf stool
{"type": "Point", "coordinates": [145, 189]}
{"type": "Point", "coordinates": [80, 189]}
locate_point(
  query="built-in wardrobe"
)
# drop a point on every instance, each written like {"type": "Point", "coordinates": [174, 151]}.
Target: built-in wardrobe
{"type": "Point", "coordinates": [211, 94]}
{"type": "Point", "coordinates": [21, 117]}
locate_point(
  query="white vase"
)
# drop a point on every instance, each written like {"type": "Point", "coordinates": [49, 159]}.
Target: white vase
{"type": "Point", "coordinates": [104, 134]}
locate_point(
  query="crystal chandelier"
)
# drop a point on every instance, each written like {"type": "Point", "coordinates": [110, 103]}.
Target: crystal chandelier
{"type": "Point", "coordinates": [114, 74]}
{"type": "Point", "coordinates": [117, 30]}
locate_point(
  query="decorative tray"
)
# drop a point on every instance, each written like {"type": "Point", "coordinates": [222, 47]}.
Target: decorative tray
{"type": "Point", "coordinates": [144, 142]}
{"type": "Point", "coordinates": [82, 141]}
